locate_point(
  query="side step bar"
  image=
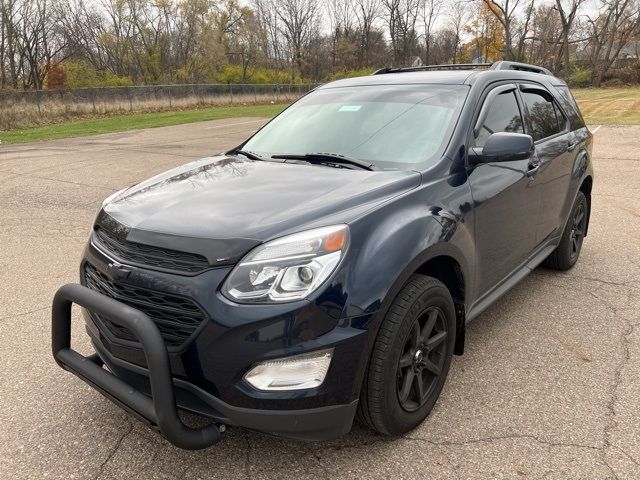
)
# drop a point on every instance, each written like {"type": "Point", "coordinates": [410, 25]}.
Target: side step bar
{"type": "Point", "coordinates": [160, 411]}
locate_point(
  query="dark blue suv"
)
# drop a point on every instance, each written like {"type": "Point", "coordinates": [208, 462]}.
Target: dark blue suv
{"type": "Point", "coordinates": [325, 269]}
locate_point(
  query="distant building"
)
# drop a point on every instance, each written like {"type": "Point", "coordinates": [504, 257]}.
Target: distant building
{"type": "Point", "coordinates": [630, 51]}
{"type": "Point", "coordinates": [629, 55]}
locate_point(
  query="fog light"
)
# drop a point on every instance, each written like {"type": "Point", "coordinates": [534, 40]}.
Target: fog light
{"type": "Point", "coordinates": [291, 373]}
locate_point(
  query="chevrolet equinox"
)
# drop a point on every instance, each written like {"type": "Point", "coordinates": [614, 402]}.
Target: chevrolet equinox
{"type": "Point", "coordinates": [325, 269]}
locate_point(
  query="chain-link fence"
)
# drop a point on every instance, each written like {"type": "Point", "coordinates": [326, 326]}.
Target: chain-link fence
{"type": "Point", "coordinates": [35, 107]}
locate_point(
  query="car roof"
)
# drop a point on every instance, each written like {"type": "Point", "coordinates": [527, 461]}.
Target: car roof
{"type": "Point", "coordinates": [444, 77]}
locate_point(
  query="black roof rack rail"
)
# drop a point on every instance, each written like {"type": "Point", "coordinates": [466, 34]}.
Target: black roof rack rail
{"type": "Point", "coordinates": [524, 67]}
{"type": "Point", "coordinates": [501, 65]}
{"type": "Point", "coordinates": [452, 66]}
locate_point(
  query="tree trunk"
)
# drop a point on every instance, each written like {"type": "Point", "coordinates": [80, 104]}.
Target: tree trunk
{"type": "Point", "coordinates": [598, 74]}
{"type": "Point", "coordinates": [567, 67]}
{"type": "Point", "coordinates": [507, 41]}
{"type": "Point", "coordinates": [3, 78]}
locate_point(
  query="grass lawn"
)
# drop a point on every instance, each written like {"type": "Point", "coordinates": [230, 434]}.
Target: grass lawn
{"type": "Point", "coordinates": [609, 106]}
{"type": "Point", "coordinates": [134, 121]}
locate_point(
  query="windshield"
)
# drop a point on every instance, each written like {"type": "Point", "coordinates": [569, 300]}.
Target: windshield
{"type": "Point", "coordinates": [391, 126]}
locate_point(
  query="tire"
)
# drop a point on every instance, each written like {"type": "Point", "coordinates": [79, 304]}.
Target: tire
{"type": "Point", "coordinates": [420, 328]}
{"type": "Point", "coordinates": [566, 254]}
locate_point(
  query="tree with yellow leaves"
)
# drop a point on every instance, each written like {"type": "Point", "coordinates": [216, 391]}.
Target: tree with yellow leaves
{"type": "Point", "coordinates": [487, 36]}
{"type": "Point", "coordinates": [505, 12]}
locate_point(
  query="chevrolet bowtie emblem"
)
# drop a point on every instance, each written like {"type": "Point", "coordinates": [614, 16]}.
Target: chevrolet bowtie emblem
{"type": "Point", "coordinates": [117, 271]}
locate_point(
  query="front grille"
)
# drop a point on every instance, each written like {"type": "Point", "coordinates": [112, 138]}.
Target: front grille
{"type": "Point", "coordinates": [176, 317]}
{"type": "Point", "coordinates": [148, 256]}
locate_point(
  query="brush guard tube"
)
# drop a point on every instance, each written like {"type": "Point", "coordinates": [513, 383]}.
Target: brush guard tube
{"type": "Point", "coordinates": [160, 411]}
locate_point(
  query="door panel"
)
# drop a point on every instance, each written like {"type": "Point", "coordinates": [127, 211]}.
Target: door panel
{"type": "Point", "coordinates": [548, 126]}
{"type": "Point", "coordinates": [507, 202]}
{"type": "Point", "coordinates": [554, 177]}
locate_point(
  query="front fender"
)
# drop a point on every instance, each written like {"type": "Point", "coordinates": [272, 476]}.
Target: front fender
{"type": "Point", "coordinates": [386, 256]}
{"type": "Point", "coordinates": [386, 250]}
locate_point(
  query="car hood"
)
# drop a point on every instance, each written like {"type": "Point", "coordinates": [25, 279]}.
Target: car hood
{"type": "Point", "coordinates": [243, 202]}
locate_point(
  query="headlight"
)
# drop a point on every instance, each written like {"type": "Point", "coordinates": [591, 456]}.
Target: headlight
{"type": "Point", "coordinates": [289, 268]}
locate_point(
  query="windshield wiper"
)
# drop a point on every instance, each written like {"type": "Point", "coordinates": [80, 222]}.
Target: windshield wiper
{"type": "Point", "coordinates": [249, 155]}
{"type": "Point", "coordinates": [328, 158]}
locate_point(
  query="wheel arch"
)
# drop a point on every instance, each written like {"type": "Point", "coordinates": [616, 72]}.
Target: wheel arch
{"type": "Point", "coordinates": [443, 262]}
{"type": "Point", "coordinates": [449, 271]}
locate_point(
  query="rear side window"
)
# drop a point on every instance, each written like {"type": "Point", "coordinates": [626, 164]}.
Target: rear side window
{"type": "Point", "coordinates": [504, 116]}
{"type": "Point", "coordinates": [568, 102]}
{"type": "Point", "coordinates": [545, 118]}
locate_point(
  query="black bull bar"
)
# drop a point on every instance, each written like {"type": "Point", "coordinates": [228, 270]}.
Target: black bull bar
{"type": "Point", "coordinates": [160, 411]}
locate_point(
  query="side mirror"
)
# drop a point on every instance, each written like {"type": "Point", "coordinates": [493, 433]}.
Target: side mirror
{"type": "Point", "coordinates": [503, 147]}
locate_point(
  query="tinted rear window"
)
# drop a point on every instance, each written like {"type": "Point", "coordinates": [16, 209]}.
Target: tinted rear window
{"type": "Point", "coordinates": [566, 100]}
{"type": "Point", "coordinates": [544, 118]}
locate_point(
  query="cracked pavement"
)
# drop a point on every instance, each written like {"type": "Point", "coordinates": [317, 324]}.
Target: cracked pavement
{"type": "Point", "coordinates": [548, 386]}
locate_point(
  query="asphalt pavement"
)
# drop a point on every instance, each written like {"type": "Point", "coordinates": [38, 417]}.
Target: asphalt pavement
{"type": "Point", "coordinates": [548, 386]}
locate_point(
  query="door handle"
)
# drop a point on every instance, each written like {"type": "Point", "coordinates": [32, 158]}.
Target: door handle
{"type": "Point", "coordinates": [532, 169]}
{"type": "Point", "coordinates": [572, 146]}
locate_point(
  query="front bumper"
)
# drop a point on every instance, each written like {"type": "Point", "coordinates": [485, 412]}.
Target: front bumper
{"type": "Point", "coordinates": [154, 395]}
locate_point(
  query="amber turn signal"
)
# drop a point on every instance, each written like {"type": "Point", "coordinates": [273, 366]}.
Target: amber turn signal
{"type": "Point", "coordinates": [335, 241]}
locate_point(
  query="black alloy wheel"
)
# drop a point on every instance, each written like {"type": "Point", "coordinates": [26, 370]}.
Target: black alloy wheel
{"type": "Point", "coordinates": [423, 357]}
{"type": "Point", "coordinates": [577, 230]}
{"type": "Point", "coordinates": [568, 250]}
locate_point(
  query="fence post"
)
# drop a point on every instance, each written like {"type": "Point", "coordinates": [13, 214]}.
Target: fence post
{"type": "Point", "coordinates": [277, 92]}
{"type": "Point", "coordinates": [231, 93]}
{"type": "Point", "coordinates": [130, 100]}
{"type": "Point", "coordinates": [64, 104]}
{"type": "Point", "coordinates": [38, 101]}
{"type": "Point", "coordinates": [170, 96]}
{"type": "Point", "coordinates": [93, 99]}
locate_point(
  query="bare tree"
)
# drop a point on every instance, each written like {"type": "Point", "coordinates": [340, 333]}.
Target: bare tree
{"type": "Point", "coordinates": [366, 12]}
{"type": "Point", "coordinates": [30, 39]}
{"type": "Point", "coordinates": [611, 30]}
{"type": "Point", "coordinates": [429, 13]}
{"type": "Point", "coordinates": [568, 11]}
{"type": "Point", "coordinates": [341, 21]}
{"type": "Point", "coordinates": [6, 42]}
{"type": "Point", "coordinates": [523, 27]}
{"type": "Point", "coordinates": [299, 21]}
{"type": "Point", "coordinates": [401, 17]}
{"type": "Point", "coordinates": [268, 19]}
{"type": "Point", "coordinates": [241, 37]}
{"type": "Point", "coordinates": [458, 17]}
{"type": "Point", "coordinates": [542, 41]}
